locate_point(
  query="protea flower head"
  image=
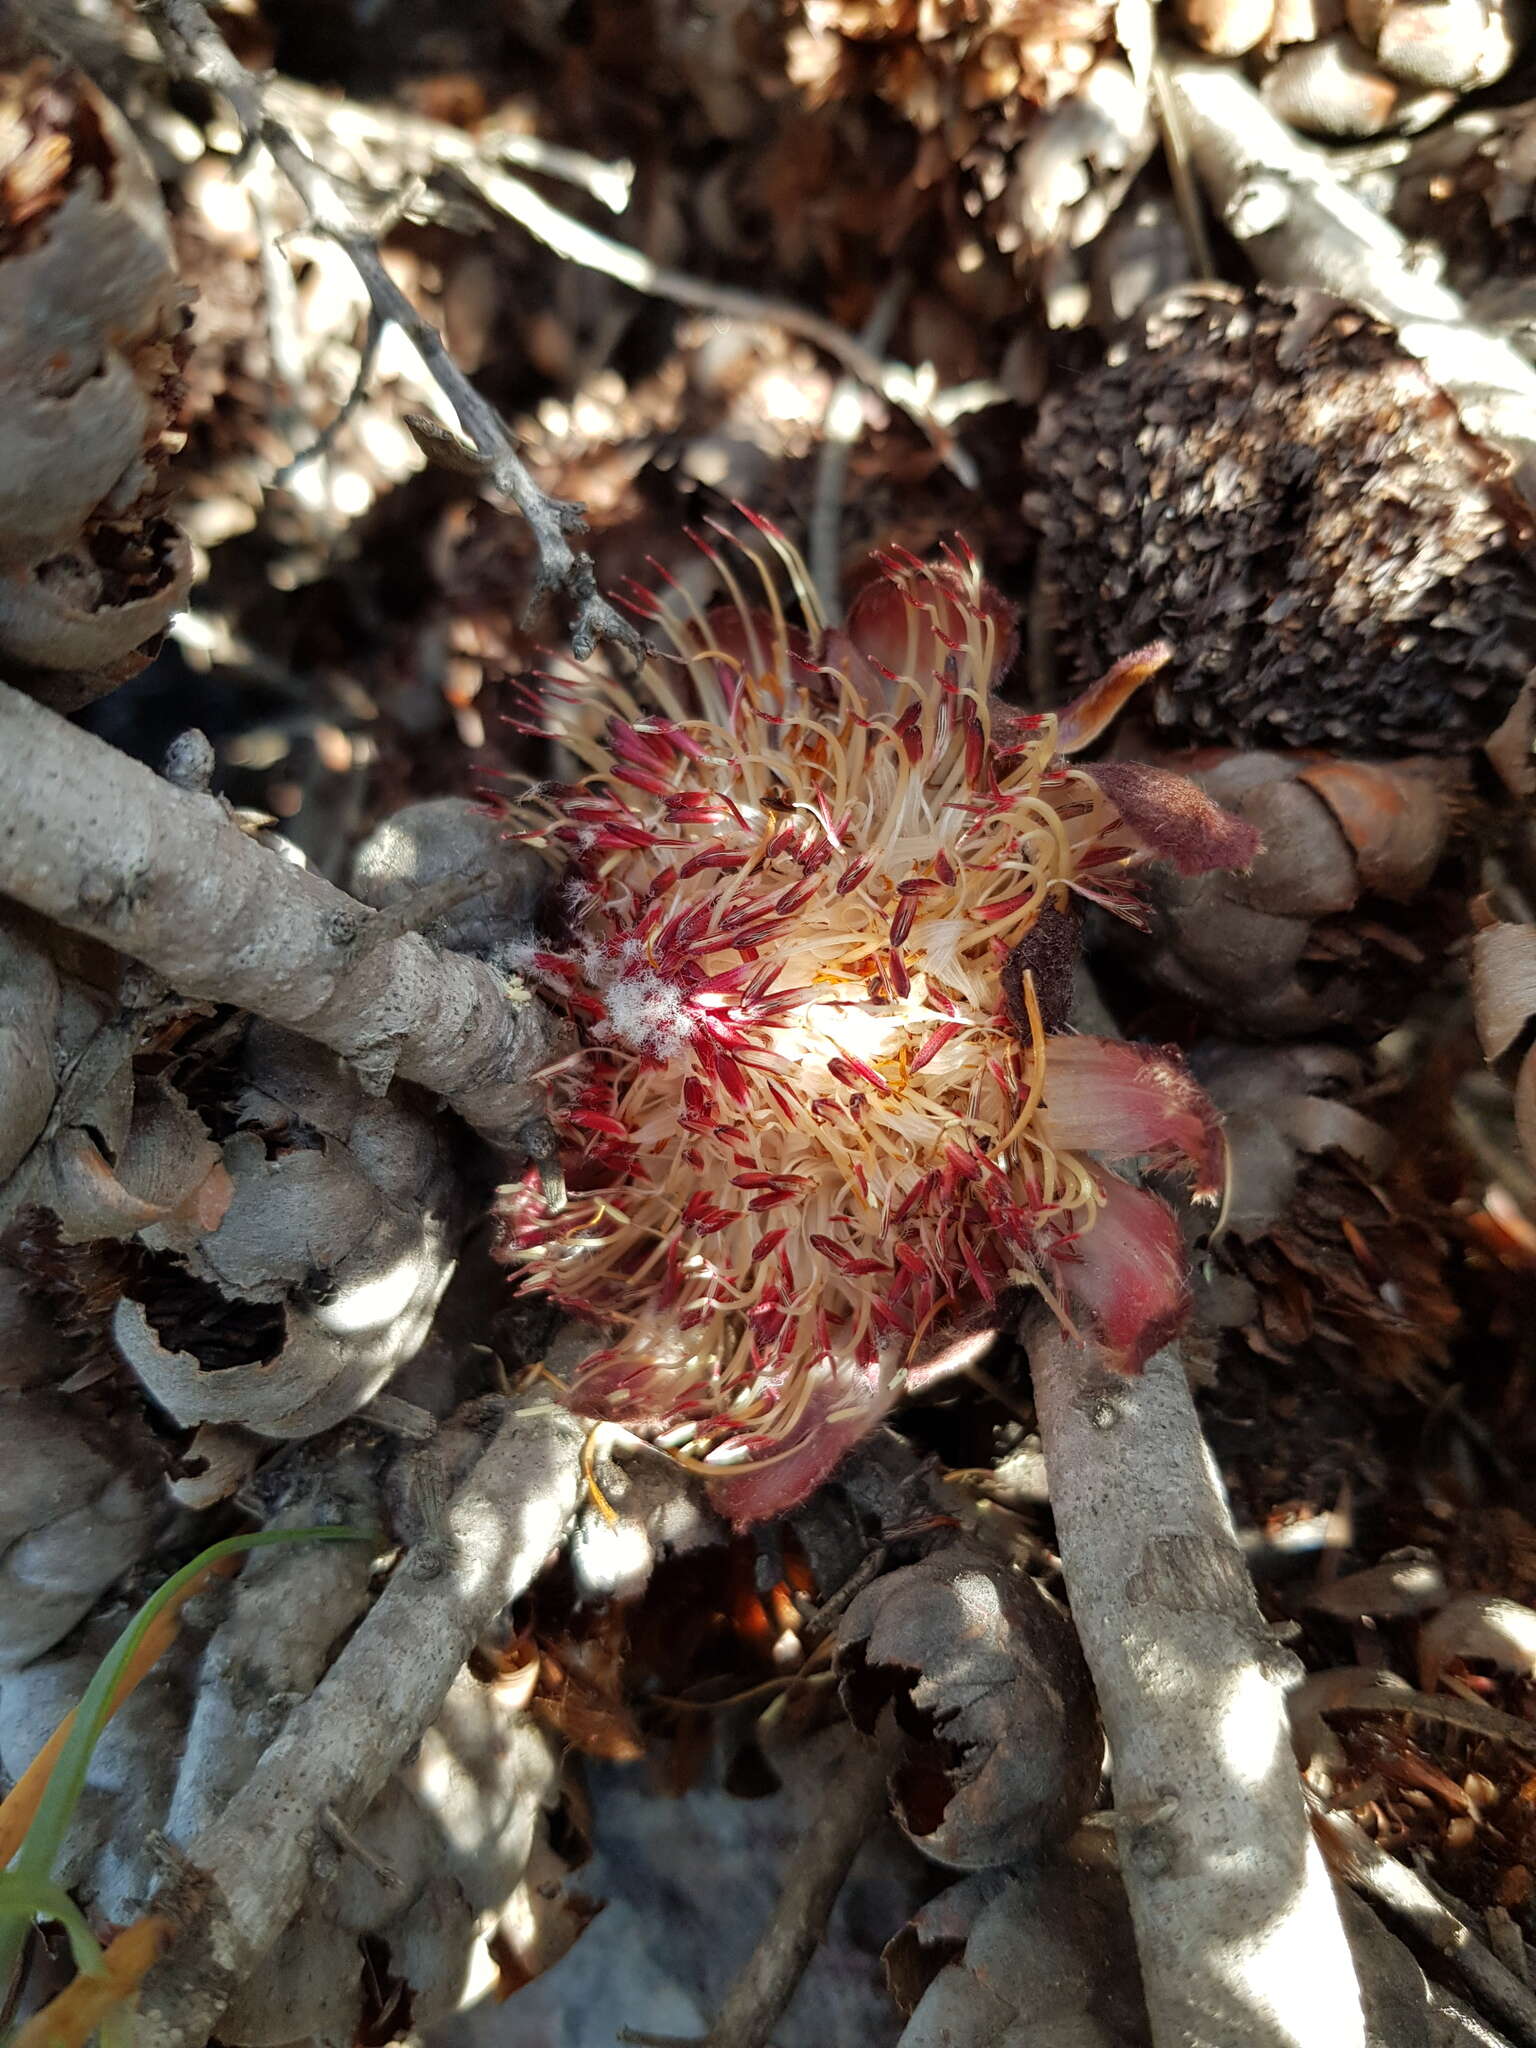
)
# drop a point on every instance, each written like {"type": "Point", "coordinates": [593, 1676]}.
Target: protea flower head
{"type": "Point", "coordinates": [822, 893]}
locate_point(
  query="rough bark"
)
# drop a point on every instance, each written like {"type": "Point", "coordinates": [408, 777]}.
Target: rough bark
{"type": "Point", "coordinates": [1237, 1926]}
{"type": "Point", "coordinates": [244, 1876]}
{"type": "Point", "coordinates": [104, 846]}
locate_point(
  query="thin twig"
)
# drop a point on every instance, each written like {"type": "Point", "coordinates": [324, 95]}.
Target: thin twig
{"type": "Point", "coordinates": [415, 142]}
{"type": "Point", "coordinates": [768, 1688]}
{"type": "Point", "coordinates": [1404, 1893]}
{"type": "Point", "coordinates": [325, 439]}
{"type": "Point", "coordinates": [821, 1623]}
{"type": "Point", "coordinates": [194, 46]}
{"type": "Point", "coordinates": [104, 1054]}
{"type": "Point", "coordinates": [896, 382]}
{"type": "Point", "coordinates": [1186, 192]}
{"type": "Point", "coordinates": [853, 1801]}
{"type": "Point", "coordinates": [281, 300]}
{"type": "Point", "coordinates": [344, 1838]}
{"type": "Point", "coordinates": [841, 426]}
{"type": "Point", "coordinates": [191, 37]}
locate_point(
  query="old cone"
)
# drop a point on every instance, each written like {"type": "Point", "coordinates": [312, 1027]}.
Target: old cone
{"type": "Point", "coordinates": [1276, 485]}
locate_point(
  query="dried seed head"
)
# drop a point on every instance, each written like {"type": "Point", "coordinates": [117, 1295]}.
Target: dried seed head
{"type": "Point", "coordinates": [1273, 483]}
{"type": "Point", "coordinates": [810, 1140]}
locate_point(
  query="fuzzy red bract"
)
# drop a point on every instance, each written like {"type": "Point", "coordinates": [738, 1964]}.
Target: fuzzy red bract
{"type": "Point", "coordinates": [809, 1139]}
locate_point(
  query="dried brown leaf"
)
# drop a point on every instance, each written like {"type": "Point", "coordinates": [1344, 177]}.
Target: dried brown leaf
{"type": "Point", "coordinates": [1503, 984]}
{"type": "Point", "coordinates": [988, 1684]}
{"type": "Point", "coordinates": [1397, 821]}
{"type": "Point", "coordinates": [90, 318]}
{"type": "Point", "coordinates": [1479, 1625]}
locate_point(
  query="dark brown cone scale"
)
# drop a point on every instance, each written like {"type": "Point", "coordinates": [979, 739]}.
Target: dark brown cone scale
{"type": "Point", "coordinates": [1272, 484]}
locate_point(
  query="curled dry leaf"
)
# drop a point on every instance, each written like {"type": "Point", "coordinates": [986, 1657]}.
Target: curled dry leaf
{"type": "Point", "coordinates": [1503, 985]}
{"type": "Point", "coordinates": [989, 1687]}
{"type": "Point", "coordinates": [166, 1182]}
{"type": "Point", "coordinates": [1281, 1107]}
{"type": "Point", "coordinates": [429, 846]}
{"type": "Point", "coordinates": [1512, 747]}
{"type": "Point", "coordinates": [1454, 45]}
{"type": "Point", "coordinates": [78, 1506]}
{"type": "Point", "coordinates": [1329, 1236]}
{"type": "Point", "coordinates": [29, 1008]}
{"type": "Point", "coordinates": [1295, 942]}
{"type": "Point", "coordinates": [1318, 1749]}
{"type": "Point", "coordinates": [213, 1466]}
{"type": "Point", "coordinates": [1335, 88]}
{"type": "Point", "coordinates": [1047, 1961]}
{"type": "Point", "coordinates": [120, 1163]}
{"type": "Point", "coordinates": [1078, 161]}
{"type": "Point", "coordinates": [320, 1278]}
{"type": "Point", "coordinates": [1481, 1626]}
{"type": "Point", "coordinates": [90, 323]}
{"type": "Point", "coordinates": [1503, 1004]}
{"type": "Point", "coordinates": [1396, 818]}
{"type": "Point", "coordinates": [1405, 1582]}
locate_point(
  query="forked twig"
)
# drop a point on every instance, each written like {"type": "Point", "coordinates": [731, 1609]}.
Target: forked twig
{"type": "Point", "coordinates": [195, 48]}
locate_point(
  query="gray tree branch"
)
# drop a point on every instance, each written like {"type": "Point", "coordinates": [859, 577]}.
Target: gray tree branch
{"type": "Point", "coordinates": [194, 47]}
{"type": "Point", "coordinates": [102, 845]}
{"type": "Point", "coordinates": [1237, 1926]}
{"type": "Point", "coordinates": [246, 1873]}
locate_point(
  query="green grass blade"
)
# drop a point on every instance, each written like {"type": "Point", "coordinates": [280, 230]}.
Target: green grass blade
{"type": "Point", "coordinates": [39, 1852]}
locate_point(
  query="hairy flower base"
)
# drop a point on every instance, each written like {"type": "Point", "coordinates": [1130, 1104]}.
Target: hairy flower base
{"type": "Point", "coordinates": [809, 1141]}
